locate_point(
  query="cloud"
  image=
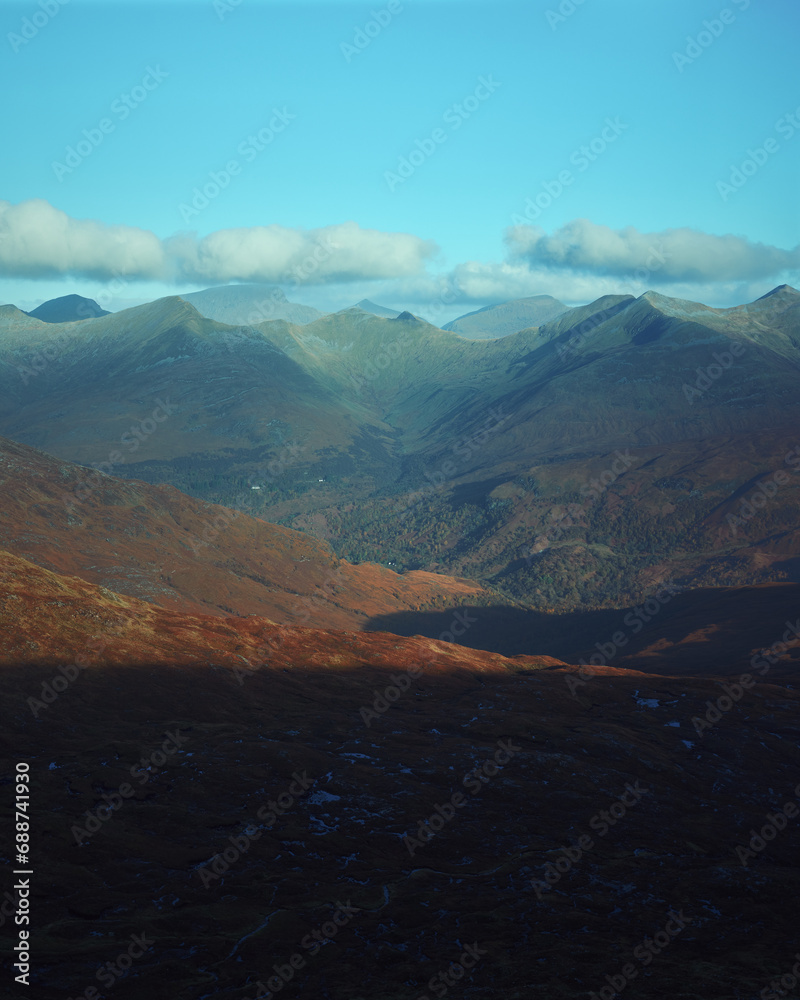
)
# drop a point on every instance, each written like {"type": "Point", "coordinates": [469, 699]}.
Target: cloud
{"type": "Point", "coordinates": [673, 255]}
{"type": "Point", "coordinates": [481, 282]}
{"type": "Point", "coordinates": [339, 264]}
{"type": "Point", "coordinates": [343, 252]}
{"type": "Point", "coordinates": [496, 282]}
{"type": "Point", "coordinates": [38, 241]}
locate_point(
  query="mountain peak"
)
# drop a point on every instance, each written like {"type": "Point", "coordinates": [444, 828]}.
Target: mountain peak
{"type": "Point", "coordinates": [67, 309]}
{"type": "Point", "coordinates": [367, 305]}
{"type": "Point", "coordinates": [780, 290]}
{"type": "Point", "coordinates": [504, 318]}
{"type": "Point", "coordinates": [249, 305]}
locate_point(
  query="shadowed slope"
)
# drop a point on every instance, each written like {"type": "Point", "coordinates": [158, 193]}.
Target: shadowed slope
{"type": "Point", "coordinates": [226, 814]}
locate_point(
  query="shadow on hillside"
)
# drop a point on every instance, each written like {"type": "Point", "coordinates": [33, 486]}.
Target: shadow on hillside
{"type": "Point", "coordinates": [710, 631]}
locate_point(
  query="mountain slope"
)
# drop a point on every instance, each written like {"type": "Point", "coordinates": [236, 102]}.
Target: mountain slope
{"type": "Point", "coordinates": [225, 790]}
{"type": "Point", "coordinates": [67, 309]}
{"type": "Point", "coordinates": [248, 305]}
{"type": "Point", "coordinates": [399, 442]}
{"type": "Point", "coordinates": [51, 618]}
{"type": "Point", "coordinates": [371, 307]}
{"type": "Point", "coordinates": [152, 542]}
{"type": "Point", "coordinates": [507, 317]}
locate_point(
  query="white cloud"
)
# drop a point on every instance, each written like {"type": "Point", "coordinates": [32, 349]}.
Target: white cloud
{"type": "Point", "coordinates": [38, 241]}
{"type": "Point", "coordinates": [337, 265]}
{"type": "Point", "coordinates": [673, 255]}
{"type": "Point", "coordinates": [343, 252]}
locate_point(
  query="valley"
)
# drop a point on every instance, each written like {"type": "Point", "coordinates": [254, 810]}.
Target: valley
{"type": "Point", "coordinates": [354, 426]}
{"type": "Point", "coordinates": [467, 652]}
{"type": "Point", "coordinates": [399, 492]}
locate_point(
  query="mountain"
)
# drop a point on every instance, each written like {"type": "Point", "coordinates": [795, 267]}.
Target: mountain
{"type": "Point", "coordinates": [180, 554]}
{"type": "Point", "coordinates": [49, 618]}
{"type": "Point", "coordinates": [154, 543]}
{"type": "Point", "coordinates": [507, 317]}
{"type": "Point", "coordinates": [581, 463]}
{"type": "Point", "coordinates": [230, 803]}
{"type": "Point", "coordinates": [66, 309]}
{"type": "Point", "coordinates": [230, 392]}
{"type": "Point", "coordinates": [249, 305]}
{"type": "Point", "coordinates": [376, 310]}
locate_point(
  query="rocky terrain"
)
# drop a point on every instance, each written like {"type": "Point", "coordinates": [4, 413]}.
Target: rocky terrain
{"type": "Point", "coordinates": [217, 822]}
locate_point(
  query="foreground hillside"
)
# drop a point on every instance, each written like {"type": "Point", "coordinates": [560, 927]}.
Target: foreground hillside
{"type": "Point", "coordinates": [376, 818]}
{"type": "Point", "coordinates": [706, 632]}
{"type": "Point", "coordinates": [50, 618]}
{"type": "Point", "coordinates": [155, 543]}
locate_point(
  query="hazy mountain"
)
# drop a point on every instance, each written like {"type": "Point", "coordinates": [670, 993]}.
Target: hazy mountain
{"type": "Point", "coordinates": [376, 310]}
{"type": "Point", "coordinates": [507, 317]}
{"type": "Point", "coordinates": [470, 458]}
{"type": "Point", "coordinates": [249, 305]}
{"type": "Point", "coordinates": [67, 308]}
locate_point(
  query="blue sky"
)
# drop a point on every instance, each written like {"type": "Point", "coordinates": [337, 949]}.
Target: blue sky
{"type": "Point", "coordinates": [666, 98]}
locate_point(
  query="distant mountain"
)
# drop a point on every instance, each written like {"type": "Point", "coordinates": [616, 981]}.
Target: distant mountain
{"type": "Point", "coordinates": [67, 309]}
{"type": "Point", "coordinates": [401, 443]}
{"type": "Point", "coordinates": [376, 310]}
{"type": "Point", "coordinates": [249, 305]}
{"type": "Point", "coordinates": [507, 317]}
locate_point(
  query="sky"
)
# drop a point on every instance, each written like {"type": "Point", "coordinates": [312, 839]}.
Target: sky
{"type": "Point", "coordinates": [432, 155]}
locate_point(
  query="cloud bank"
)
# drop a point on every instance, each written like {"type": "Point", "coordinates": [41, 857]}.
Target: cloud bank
{"type": "Point", "coordinates": [39, 241]}
{"type": "Point", "coordinates": [672, 255]}
{"type": "Point", "coordinates": [576, 263]}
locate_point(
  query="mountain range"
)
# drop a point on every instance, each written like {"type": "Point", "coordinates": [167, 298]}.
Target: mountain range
{"type": "Point", "coordinates": [512, 684]}
{"type": "Point", "coordinates": [577, 464]}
